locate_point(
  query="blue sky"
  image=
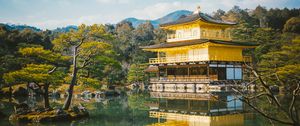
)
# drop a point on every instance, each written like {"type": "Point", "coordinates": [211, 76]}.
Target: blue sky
{"type": "Point", "coordinates": [49, 14]}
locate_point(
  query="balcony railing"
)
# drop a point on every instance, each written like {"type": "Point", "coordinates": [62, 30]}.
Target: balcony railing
{"type": "Point", "coordinates": [186, 59]}
{"type": "Point", "coordinates": [168, 59]}
{"type": "Point", "coordinates": [185, 79]}
{"type": "Point", "coordinates": [204, 34]}
{"type": "Point", "coordinates": [215, 35]}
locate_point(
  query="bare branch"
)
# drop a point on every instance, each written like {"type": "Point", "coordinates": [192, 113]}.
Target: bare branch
{"type": "Point", "coordinates": [263, 114]}
{"type": "Point", "coordinates": [81, 41]}
{"type": "Point", "coordinates": [292, 104]}
{"type": "Point", "coordinates": [51, 71]}
{"type": "Point", "coordinates": [266, 87]}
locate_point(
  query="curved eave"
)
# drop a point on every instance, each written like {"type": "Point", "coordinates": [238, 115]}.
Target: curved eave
{"type": "Point", "coordinates": [203, 43]}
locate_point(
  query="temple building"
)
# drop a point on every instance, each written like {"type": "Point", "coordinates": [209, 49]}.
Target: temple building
{"type": "Point", "coordinates": [198, 56]}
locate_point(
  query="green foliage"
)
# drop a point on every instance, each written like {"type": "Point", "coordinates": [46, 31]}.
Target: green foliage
{"type": "Point", "coordinates": [93, 57]}
{"type": "Point", "coordinates": [93, 49]}
{"type": "Point", "coordinates": [90, 82]}
{"type": "Point", "coordinates": [236, 14]}
{"type": "Point", "coordinates": [136, 73]}
{"type": "Point", "coordinates": [105, 69]}
{"type": "Point", "coordinates": [283, 61]}
{"type": "Point", "coordinates": [218, 14]}
{"type": "Point", "coordinates": [45, 55]}
{"type": "Point", "coordinates": [12, 40]}
{"type": "Point", "coordinates": [66, 41]}
{"type": "Point", "coordinates": [30, 73]}
{"type": "Point", "coordinates": [292, 25]}
{"type": "Point", "coordinates": [243, 32]}
{"type": "Point", "coordinates": [277, 17]}
{"type": "Point", "coordinates": [289, 73]}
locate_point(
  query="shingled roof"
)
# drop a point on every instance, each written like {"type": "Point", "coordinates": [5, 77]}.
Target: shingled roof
{"type": "Point", "coordinates": [199, 16]}
{"type": "Point", "coordinates": [197, 41]}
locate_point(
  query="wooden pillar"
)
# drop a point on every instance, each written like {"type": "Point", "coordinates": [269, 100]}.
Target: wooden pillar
{"type": "Point", "coordinates": [157, 74]}
{"type": "Point", "coordinates": [158, 57]}
{"type": "Point", "coordinates": [175, 72]}
{"type": "Point", "coordinates": [189, 105]}
{"type": "Point", "coordinates": [166, 72]}
{"type": "Point", "coordinates": [188, 71]}
{"type": "Point", "coordinates": [208, 106]}
{"type": "Point", "coordinates": [207, 67]}
{"type": "Point", "coordinates": [166, 103]}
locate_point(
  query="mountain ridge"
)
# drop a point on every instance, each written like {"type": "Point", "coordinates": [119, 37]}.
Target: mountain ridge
{"type": "Point", "coordinates": [167, 18]}
{"type": "Point", "coordinates": [135, 22]}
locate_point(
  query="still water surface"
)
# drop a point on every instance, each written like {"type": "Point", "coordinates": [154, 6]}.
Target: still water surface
{"type": "Point", "coordinates": [140, 109]}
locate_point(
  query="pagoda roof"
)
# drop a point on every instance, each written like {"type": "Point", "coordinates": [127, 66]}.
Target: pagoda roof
{"type": "Point", "coordinates": [197, 41]}
{"type": "Point", "coordinates": [199, 16]}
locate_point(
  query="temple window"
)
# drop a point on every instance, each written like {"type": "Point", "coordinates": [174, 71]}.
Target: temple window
{"type": "Point", "coordinates": [195, 32]}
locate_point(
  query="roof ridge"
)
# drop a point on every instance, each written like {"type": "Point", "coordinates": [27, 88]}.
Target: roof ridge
{"type": "Point", "coordinates": [193, 17]}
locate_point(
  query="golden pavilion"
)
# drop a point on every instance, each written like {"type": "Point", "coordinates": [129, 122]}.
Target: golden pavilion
{"type": "Point", "coordinates": [198, 56]}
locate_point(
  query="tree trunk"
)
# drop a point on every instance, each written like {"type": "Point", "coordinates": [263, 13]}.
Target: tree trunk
{"type": "Point", "coordinates": [10, 90]}
{"type": "Point", "coordinates": [46, 96]}
{"type": "Point", "coordinates": [73, 81]}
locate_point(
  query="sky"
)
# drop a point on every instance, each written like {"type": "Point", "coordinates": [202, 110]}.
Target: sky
{"type": "Point", "coordinates": [50, 14]}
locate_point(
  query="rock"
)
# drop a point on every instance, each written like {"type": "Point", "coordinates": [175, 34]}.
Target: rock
{"type": "Point", "coordinates": [111, 87]}
{"type": "Point", "coordinates": [93, 95]}
{"type": "Point", "coordinates": [21, 108]}
{"type": "Point", "coordinates": [48, 109]}
{"type": "Point", "coordinates": [75, 109]}
{"type": "Point", "coordinates": [47, 116]}
{"type": "Point", "coordinates": [20, 92]}
{"type": "Point", "coordinates": [274, 88]}
{"type": "Point", "coordinates": [111, 93]}
{"type": "Point", "coordinates": [60, 111]}
{"type": "Point", "coordinates": [5, 93]}
{"type": "Point", "coordinates": [55, 94]}
{"type": "Point", "coordinates": [99, 94]}
{"type": "Point", "coordinates": [2, 115]}
{"type": "Point", "coordinates": [38, 110]}
{"type": "Point", "coordinates": [82, 109]}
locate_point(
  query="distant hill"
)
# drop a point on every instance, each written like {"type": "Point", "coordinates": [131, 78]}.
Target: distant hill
{"type": "Point", "coordinates": [19, 27]}
{"type": "Point", "coordinates": [168, 18]}
{"type": "Point", "coordinates": [135, 22]}
{"type": "Point", "coordinates": [65, 29]}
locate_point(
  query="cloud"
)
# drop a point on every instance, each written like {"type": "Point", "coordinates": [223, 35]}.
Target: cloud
{"type": "Point", "coordinates": [89, 20]}
{"type": "Point", "coordinates": [59, 13]}
{"type": "Point", "coordinates": [213, 5]}
{"type": "Point", "coordinates": [113, 1]}
{"type": "Point", "coordinates": [160, 9]}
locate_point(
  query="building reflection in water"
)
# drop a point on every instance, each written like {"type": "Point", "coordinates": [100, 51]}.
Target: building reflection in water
{"type": "Point", "coordinates": [191, 109]}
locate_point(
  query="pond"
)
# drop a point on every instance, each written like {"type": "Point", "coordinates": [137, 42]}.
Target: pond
{"type": "Point", "coordinates": [146, 109]}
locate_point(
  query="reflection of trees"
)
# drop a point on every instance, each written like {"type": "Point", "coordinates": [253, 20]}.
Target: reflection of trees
{"type": "Point", "coordinates": [137, 101]}
{"type": "Point", "coordinates": [279, 109]}
{"type": "Point", "coordinates": [117, 111]}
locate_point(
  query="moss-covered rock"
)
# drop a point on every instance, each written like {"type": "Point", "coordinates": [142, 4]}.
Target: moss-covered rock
{"type": "Point", "coordinates": [48, 116]}
{"type": "Point", "coordinates": [4, 92]}
{"type": "Point", "coordinates": [20, 91]}
{"type": "Point", "coordinates": [2, 115]}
